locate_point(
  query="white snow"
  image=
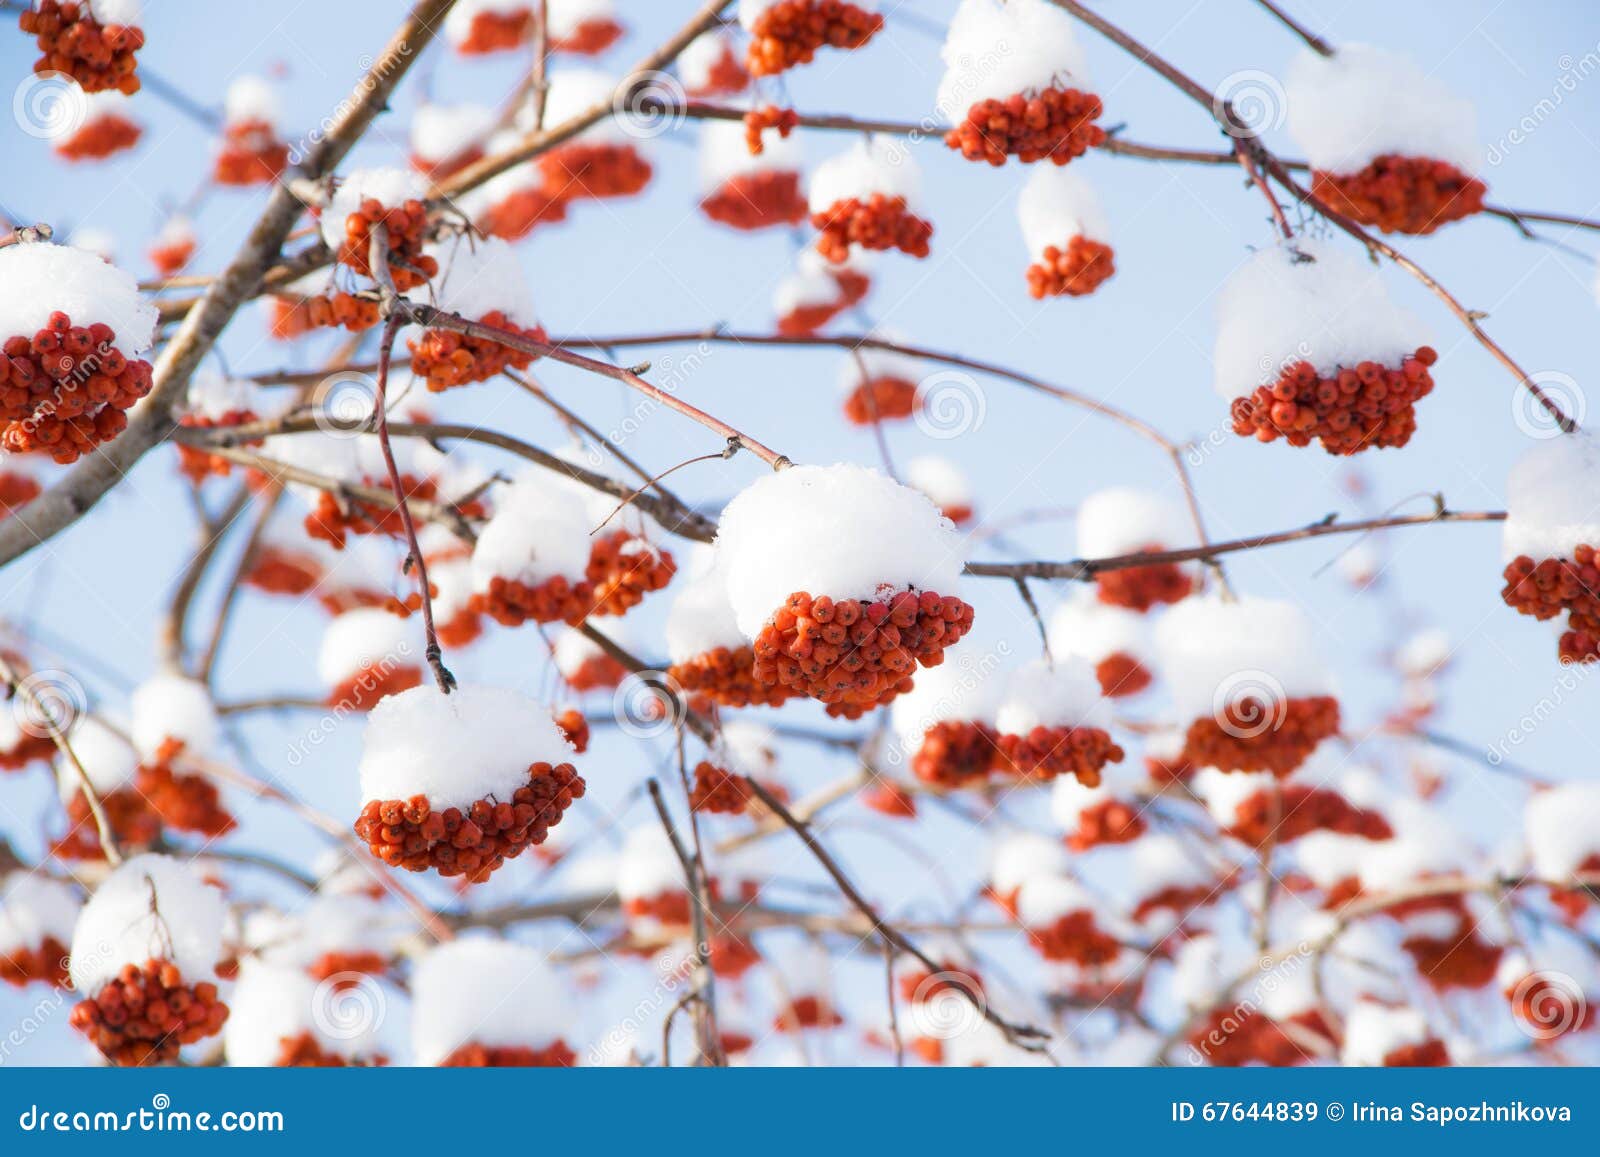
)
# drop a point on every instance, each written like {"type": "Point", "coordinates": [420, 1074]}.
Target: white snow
{"type": "Point", "coordinates": [1328, 858]}
{"type": "Point", "coordinates": [1364, 102]}
{"type": "Point", "coordinates": [1214, 653]}
{"type": "Point", "coordinates": [1064, 695]}
{"type": "Point", "coordinates": [458, 24]}
{"type": "Point", "coordinates": [100, 242]}
{"type": "Point", "coordinates": [1056, 205]}
{"type": "Point", "coordinates": [34, 908]}
{"type": "Point", "coordinates": [864, 364]}
{"type": "Point", "coordinates": [1085, 627]}
{"type": "Point", "coordinates": [845, 531]}
{"type": "Point", "coordinates": [702, 54]}
{"type": "Point", "coordinates": [750, 748]}
{"type": "Point", "coordinates": [496, 993]}
{"type": "Point", "coordinates": [212, 394]}
{"type": "Point", "coordinates": [124, 12]}
{"type": "Point", "coordinates": [1224, 791]}
{"type": "Point", "coordinates": [174, 707]}
{"type": "Point", "coordinates": [648, 866]}
{"type": "Point", "coordinates": [1161, 860]}
{"type": "Point", "coordinates": [995, 48]}
{"type": "Point", "coordinates": [272, 1003]}
{"type": "Point", "coordinates": [1424, 844]}
{"type": "Point", "coordinates": [105, 756]}
{"type": "Point", "coordinates": [1425, 652]}
{"type": "Point", "coordinates": [476, 743]}
{"type": "Point", "coordinates": [1122, 520]}
{"type": "Point", "coordinates": [251, 99]}
{"type": "Point", "coordinates": [363, 639]}
{"type": "Point", "coordinates": [567, 16]}
{"type": "Point", "coordinates": [956, 690]}
{"type": "Point", "coordinates": [1333, 311]}
{"type": "Point", "coordinates": [1373, 1031]}
{"type": "Point", "coordinates": [1553, 499]}
{"type": "Point", "coordinates": [724, 154]}
{"type": "Point", "coordinates": [152, 907]}
{"type": "Point", "coordinates": [572, 92]}
{"type": "Point", "coordinates": [701, 618]}
{"type": "Point", "coordinates": [871, 165]}
{"type": "Point", "coordinates": [39, 278]}
{"type": "Point", "coordinates": [480, 275]}
{"type": "Point", "coordinates": [1021, 856]}
{"type": "Point", "coordinates": [391, 188]}
{"type": "Point", "coordinates": [440, 132]}
{"type": "Point", "coordinates": [539, 530]}
{"type": "Point", "coordinates": [1046, 899]}
{"type": "Point", "coordinates": [941, 479]}
{"type": "Point", "coordinates": [1562, 828]}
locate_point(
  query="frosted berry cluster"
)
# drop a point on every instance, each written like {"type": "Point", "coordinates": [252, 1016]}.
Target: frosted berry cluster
{"type": "Point", "coordinates": [1349, 411]}
{"type": "Point", "coordinates": [144, 1015]}
{"type": "Point", "coordinates": [789, 32]}
{"type": "Point", "coordinates": [1400, 194]}
{"type": "Point", "coordinates": [1546, 588]}
{"type": "Point", "coordinates": [447, 357]}
{"type": "Point", "coordinates": [879, 221]}
{"type": "Point", "coordinates": [66, 389]}
{"type": "Point", "coordinates": [1052, 124]}
{"type": "Point", "coordinates": [98, 56]}
{"type": "Point", "coordinates": [406, 226]}
{"type": "Point", "coordinates": [1074, 271]}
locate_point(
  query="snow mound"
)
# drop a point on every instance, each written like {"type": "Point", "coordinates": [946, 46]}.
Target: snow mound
{"type": "Point", "coordinates": [174, 707]}
{"type": "Point", "coordinates": [995, 48]}
{"type": "Point", "coordinates": [538, 531]}
{"type": "Point", "coordinates": [33, 909]}
{"type": "Point", "coordinates": [1373, 1031]}
{"type": "Point", "coordinates": [1064, 695]}
{"type": "Point", "coordinates": [1056, 205]}
{"type": "Point", "coordinates": [845, 531]}
{"type": "Point", "coordinates": [442, 131]}
{"type": "Point", "coordinates": [572, 92]}
{"type": "Point", "coordinates": [871, 165]}
{"type": "Point", "coordinates": [941, 479]}
{"type": "Point", "coordinates": [481, 275]}
{"type": "Point", "coordinates": [1122, 520]}
{"type": "Point", "coordinates": [212, 395]}
{"type": "Point", "coordinates": [1553, 499]}
{"type": "Point", "coordinates": [959, 690]}
{"type": "Point", "coordinates": [1562, 826]}
{"type": "Point", "coordinates": [1085, 627]}
{"type": "Point", "coordinates": [701, 619]}
{"type": "Point", "coordinates": [152, 907]}
{"type": "Point", "coordinates": [1223, 791]}
{"type": "Point", "coordinates": [1022, 856]}
{"type": "Point", "coordinates": [648, 866]}
{"type": "Point", "coordinates": [490, 992]}
{"type": "Point", "coordinates": [1046, 899]}
{"type": "Point", "coordinates": [272, 1003]}
{"type": "Point", "coordinates": [458, 24]}
{"type": "Point", "coordinates": [1424, 845]}
{"type": "Point", "coordinates": [567, 16]}
{"type": "Point", "coordinates": [476, 743]}
{"type": "Point", "coordinates": [724, 154]}
{"type": "Point", "coordinates": [1215, 652]}
{"type": "Point", "coordinates": [1363, 102]}
{"type": "Point", "coordinates": [105, 756]}
{"type": "Point", "coordinates": [39, 278]}
{"type": "Point", "coordinates": [391, 188]}
{"type": "Point", "coordinates": [1332, 311]}
{"type": "Point", "coordinates": [363, 639]}
{"type": "Point", "coordinates": [702, 55]}
{"type": "Point", "coordinates": [251, 99]}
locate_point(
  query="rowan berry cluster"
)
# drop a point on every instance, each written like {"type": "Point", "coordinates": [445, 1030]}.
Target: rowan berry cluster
{"type": "Point", "coordinates": [879, 222]}
{"type": "Point", "coordinates": [66, 389]}
{"type": "Point", "coordinates": [1402, 194]}
{"type": "Point", "coordinates": [98, 56]}
{"type": "Point", "coordinates": [1075, 271]}
{"type": "Point", "coordinates": [145, 1015]}
{"type": "Point", "coordinates": [1546, 588]}
{"type": "Point", "coordinates": [790, 32]}
{"type": "Point", "coordinates": [757, 201]}
{"type": "Point", "coordinates": [447, 357]}
{"type": "Point", "coordinates": [1252, 734]}
{"type": "Point", "coordinates": [406, 227]}
{"type": "Point", "coordinates": [1350, 411]}
{"type": "Point", "coordinates": [1054, 124]}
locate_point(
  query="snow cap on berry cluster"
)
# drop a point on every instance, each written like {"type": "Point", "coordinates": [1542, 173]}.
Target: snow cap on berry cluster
{"type": "Point", "coordinates": [1122, 520]}
{"type": "Point", "coordinates": [574, 648]}
{"type": "Point", "coordinates": [1044, 899]}
{"type": "Point", "coordinates": [866, 363]}
{"type": "Point", "coordinates": [495, 993]}
{"type": "Point", "coordinates": [1363, 102]}
{"type": "Point", "coordinates": [391, 188]}
{"type": "Point", "coordinates": [648, 866]}
{"type": "Point", "coordinates": [334, 922]}
{"type": "Point", "coordinates": [751, 11]}
{"type": "Point", "coordinates": [127, 13]}
{"type": "Point", "coordinates": [442, 131]}
{"type": "Point", "coordinates": [1161, 861]}
{"type": "Point", "coordinates": [1333, 311]}
{"type": "Point", "coordinates": [750, 748]}
{"type": "Point", "coordinates": [458, 24]}
{"type": "Point", "coordinates": [724, 153]}
{"type": "Point", "coordinates": [871, 165]}
{"type": "Point", "coordinates": [1022, 856]}
{"type": "Point", "coordinates": [251, 99]}
{"type": "Point", "coordinates": [1086, 627]}
{"type": "Point", "coordinates": [940, 479]}
{"type": "Point", "coordinates": [1223, 791]}
{"type": "Point", "coordinates": [275, 1003]}
{"type": "Point", "coordinates": [701, 618]}
{"type": "Point", "coordinates": [539, 530]}
{"type": "Point", "coordinates": [961, 690]}
{"type": "Point", "coordinates": [212, 394]}
{"type": "Point", "coordinates": [363, 640]}
{"type": "Point", "coordinates": [1553, 499]}
{"type": "Point", "coordinates": [843, 531]}
{"type": "Point", "coordinates": [1424, 844]}
{"type": "Point", "coordinates": [150, 908]}
{"type": "Point", "coordinates": [475, 743]}
{"type": "Point", "coordinates": [106, 758]}
{"type": "Point", "coordinates": [1562, 826]}
{"type": "Point", "coordinates": [100, 242]}
{"type": "Point", "coordinates": [478, 276]}
{"type": "Point", "coordinates": [40, 278]}
{"type": "Point", "coordinates": [1372, 1031]}
{"type": "Point", "coordinates": [173, 707]}
{"type": "Point", "coordinates": [703, 53]}
{"type": "Point", "coordinates": [567, 16]}
{"type": "Point", "coordinates": [1328, 858]}
{"type": "Point", "coordinates": [998, 48]}
{"type": "Point", "coordinates": [1069, 798]}
{"type": "Point", "coordinates": [1056, 205]}
{"type": "Point", "coordinates": [33, 909]}
{"type": "Point", "coordinates": [1217, 654]}
{"type": "Point", "coordinates": [1065, 694]}
{"type": "Point", "coordinates": [572, 92]}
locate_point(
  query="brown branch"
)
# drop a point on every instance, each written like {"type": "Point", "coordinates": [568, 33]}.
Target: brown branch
{"type": "Point", "coordinates": [705, 1019]}
{"type": "Point", "coordinates": [1314, 42]}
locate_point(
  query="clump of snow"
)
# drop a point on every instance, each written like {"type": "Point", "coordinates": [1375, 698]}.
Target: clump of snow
{"type": "Point", "coordinates": [813, 282]}
{"type": "Point", "coordinates": [458, 24]}
{"type": "Point", "coordinates": [1045, 899]}
{"type": "Point", "coordinates": [845, 531]}
{"type": "Point", "coordinates": [1056, 205]}
{"type": "Point", "coordinates": [1122, 520]}
{"type": "Point", "coordinates": [363, 639]}
{"type": "Point", "coordinates": [211, 395]}
{"type": "Point", "coordinates": [1551, 499]}
{"type": "Point", "coordinates": [39, 278]}
{"type": "Point", "coordinates": [106, 758]}
{"type": "Point", "coordinates": [475, 202]}
{"type": "Point", "coordinates": [572, 92]}
{"type": "Point", "coordinates": [1223, 791]}
{"type": "Point", "coordinates": [1363, 102]}
{"type": "Point", "coordinates": [391, 188]}
{"type": "Point", "coordinates": [174, 707]}
{"type": "Point", "coordinates": [648, 866]}
{"type": "Point", "coordinates": [272, 1003]}
{"type": "Point", "coordinates": [801, 965]}
{"type": "Point", "coordinates": [724, 153]}
{"type": "Point", "coordinates": [567, 16]}
{"type": "Point", "coordinates": [701, 618]}
{"type": "Point", "coordinates": [251, 99]}
{"type": "Point", "coordinates": [1373, 1031]}
{"type": "Point", "coordinates": [1424, 652]}
{"type": "Point", "coordinates": [701, 55]}
{"type": "Point", "coordinates": [480, 275]}
{"type": "Point", "coordinates": [1041, 695]}
{"type": "Point", "coordinates": [1023, 856]}
{"type": "Point", "coordinates": [151, 907]}
{"type": "Point", "coordinates": [1333, 311]}
{"type": "Point", "coordinates": [124, 12]}
{"type": "Point", "coordinates": [941, 479]}
{"type": "Point", "coordinates": [957, 690]}
{"type": "Point", "coordinates": [1424, 844]}
{"type": "Point", "coordinates": [538, 531]}
{"type": "Point", "coordinates": [100, 242]}
{"type": "Point", "coordinates": [1214, 653]}
{"type": "Point", "coordinates": [871, 165]}
{"type": "Point", "coordinates": [475, 743]}
{"type": "Point", "coordinates": [866, 363]}
{"type": "Point", "coordinates": [1562, 826]}
{"type": "Point", "coordinates": [750, 747]}
{"type": "Point", "coordinates": [34, 908]}
{"type": "Point", "coordinates": [1085, 627]}
{"type": "Point", "coordinates": [442, 131]}
{"type": "Point", "coordinates": [1162, 860]}
{"type": "Point", "coordinates": [495, 993]}
{"type": "Point", "coordinates": [995, 48]}
{"type": "Point", "coordinates": [1329, 858]}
